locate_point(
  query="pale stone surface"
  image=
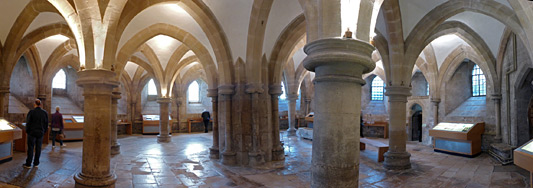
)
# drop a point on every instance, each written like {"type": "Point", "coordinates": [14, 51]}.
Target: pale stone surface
{"type": "Point", "coordinates": [164, 129]}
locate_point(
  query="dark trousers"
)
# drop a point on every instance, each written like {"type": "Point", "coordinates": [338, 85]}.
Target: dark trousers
{"type": "Point", "coordinates": [34, 143]}
{"type": "Point", "coordinates": [206, 123]}
{"type": "Point", "coordinates": [54, 135]}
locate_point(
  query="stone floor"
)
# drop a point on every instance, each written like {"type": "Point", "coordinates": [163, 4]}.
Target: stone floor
{"type": "Point", "coordinates": [185, 163]}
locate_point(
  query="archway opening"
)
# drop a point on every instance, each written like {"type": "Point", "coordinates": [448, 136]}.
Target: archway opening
{"type": "Point", "coordinates": [416, 123]}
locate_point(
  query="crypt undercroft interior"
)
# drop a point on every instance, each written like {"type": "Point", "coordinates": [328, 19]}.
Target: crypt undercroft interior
{"type": "Point", "coordinates": [300, 93]}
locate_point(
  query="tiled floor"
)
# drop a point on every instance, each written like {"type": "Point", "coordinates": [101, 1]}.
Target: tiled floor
{"type": "Point", "coordinates": [185, 163]}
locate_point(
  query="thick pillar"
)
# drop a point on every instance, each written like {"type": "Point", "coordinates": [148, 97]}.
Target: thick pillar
{"type": "Point", "coordinates": [255, 156]}
{"type": "Point", "coordinates": [97, 87]}
{"type": "Point", "coordinates": [497, 99]}
{"type": "Point", "coordinates": [339, 65]}
{"type": "Point", "coordinates": [214, 152]}
{"type": "Point", "coordinates": [307, 106]}
{"type": "Point", "coordinates": [229, 157]}
{"type": "Point", "coordinates": [397, 158]}
{"type": "Point", "coordinates": [278, 153]}
{"type": "Point", "coordinates": [115, 146]}
{"type": "Point", "coordinates": [4, 92]}
{"type": "Point", "coordinates": [292, 114]}
{"type": "Point", "coordinates": [164, 104]}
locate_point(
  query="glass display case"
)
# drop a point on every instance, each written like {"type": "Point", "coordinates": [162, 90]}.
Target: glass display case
{"type": "Point", "coordinates": [150, 124]}
{"type": "Point", "coordinates": [73, 127]}
{"type": "Point", "coordinates": [8, 133]}
{"type": "Point", "coordinates": [523, 157]}
{"type": "Point", "coordinates": [458, 138]}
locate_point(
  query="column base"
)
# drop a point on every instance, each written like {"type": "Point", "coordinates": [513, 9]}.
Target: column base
{"type": "Point", "coordinates": [115, 149]}
{"type": "Point", "coordinates": [83, 181]}
{"type": "Point", "coordinates": [278, 154]}
{"type": "Point", "coordinates": [397, 161]}
{"type": "Point", "coordinates": [165, 138]}
{"type": "Point", "coordinates": [214, 153]}
{"type": "Point", "coordinates": [255, 159]}
{"type": "Point", "coordinates": [229, 158]}
{"type": "Point", "coordinates": [291, 132]}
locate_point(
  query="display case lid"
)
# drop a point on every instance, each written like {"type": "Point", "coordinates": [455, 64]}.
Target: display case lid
{"type": "Point", "coordinates": [454, 127]}
{"type": "Point", "coordinates": [79, 119]}
{"type": "Point", "coordinates": [6, 125]}
{"type": "Point", "coordinates": [528, 147]}
{"type": "Point", "coordinates": [153, 117]}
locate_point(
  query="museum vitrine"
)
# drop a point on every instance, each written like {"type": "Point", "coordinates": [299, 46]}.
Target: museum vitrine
{"type": "Point", "coordinates": [73, 127]}
{"type": "Point", "coordinates": [151, 124]}
{"type": "Point", "coordinates": [523, 157]}
{"type": "Point", "coordinates": [458, 138]}
{"type": "Point", "coordinates": [8, 133]}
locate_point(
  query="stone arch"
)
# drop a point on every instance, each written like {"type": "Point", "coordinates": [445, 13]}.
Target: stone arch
{"type": "Point", "coordinates": [256, 37]}
{"type": "Point", "coordinates": [453, 61]}
{"type": "Point", "coordinates": [30, 39]}
{"type": "Point", "coordinates": [58, 53]}
{"type": "Point", "coordinates": [207, 21]}
{"type": "Point", "coordinates": [62, 62]}
{"type": "Point", "coordinates": [288, 39]}
{"type": "Point", "coordinates": [172, 31]}
{"type": "Point", "coordinates": [182, 64]}
{"type": "Point", "coordinates": [425, 28]}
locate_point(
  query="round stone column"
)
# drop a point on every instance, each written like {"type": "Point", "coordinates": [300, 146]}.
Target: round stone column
{"type": "Point", "coordinates": [497, 99]}
{"type": "Point", "coordinates": [339, 65]}
{"type": "Point", "coordinates": [97, 87]}
{"type": "Point", "coordinates": [4, 92]}
{"type": "Point", "coordinates": [115, 146]}
{"type": "Point", "coordinates": [278, 153]}
{"type": "Point", "coordinates": [164, 104]}
{"type": "Point", "coordinates": [397, 158]}
{"type": "Point", "coordinates": [292, 114]}
{"type": "Point", "coordinates": [214, 152]}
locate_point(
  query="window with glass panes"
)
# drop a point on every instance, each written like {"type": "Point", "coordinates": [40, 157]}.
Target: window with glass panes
{"type": "Point", "coordinates": [377, 89]}
{"type": "Point", "coordinates": [479, 86]}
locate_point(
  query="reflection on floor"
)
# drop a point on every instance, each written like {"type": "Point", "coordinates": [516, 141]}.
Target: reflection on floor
{"type": "Point", "coordinates": [185, 163]}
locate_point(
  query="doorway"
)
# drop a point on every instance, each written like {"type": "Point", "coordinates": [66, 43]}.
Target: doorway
{"type": "Point", "coordinates": [416, 123]}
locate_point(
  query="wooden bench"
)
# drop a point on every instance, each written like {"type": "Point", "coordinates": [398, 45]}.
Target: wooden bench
{"type": "Point", "coordinates": [382, 148]}
{"type": "Point", "coordinates": [196, 120]}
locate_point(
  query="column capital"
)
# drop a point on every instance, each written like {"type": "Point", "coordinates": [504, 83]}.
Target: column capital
{"type": "Point", "coordinates": [254, 88]}
{"type": "Point", "coordinates": [97, 77]}
{"type": "Point", "coordinates": [275, 89]}
{"type": "Point", "coordinates": [212, 92]}
{"type": "Point", "coordinates": [164, 100]}
{"type": "Point", "coordinates": [292, 97]}
{"type": "Point", "coordinates": [226, 89]}
{"type": "Point", "coordinates": [336, 51]}
{"type": "Point", "coordinates": [308, 99]}
{"type": "Point", "coordinates": [4, 89]}
{"type": "Point", "coordinates": [116, 95]}
{"type": "Point", "coordinates": [496, 97]}
{"type": "Point", "coordinates": [398, 93]}
{"type": "Point", "coordinates": [435, 100]}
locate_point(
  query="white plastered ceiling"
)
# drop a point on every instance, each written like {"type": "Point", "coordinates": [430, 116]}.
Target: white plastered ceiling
{"type": "Point", "coordinates": [298, 57]}
{"type": "Point", "coordinates": [444, 45]}
{"type": "Point", "coordinates": [380, 25]}
{"type": "Point", "coordinates": [234, 17]}
{"type": "Point", "coordinates": [186, 68]}
{"type": "Point", "coordinates": [282, 13]}
{"type": "Point", "coordinates": [163, 46]}
{"type": "Point", "coordinates": [48, 45]}
{"type": "Point", "coordinates": [490, 30]}
{"type": "Point", "coordinates": [131, 68]}
{"type": "Point", "coordinates": [167, 13]}
{"type": "Point", "coordinates": [141, 56]}
{"type": "Point", "coordinates": [186, 55]}
{"type": "Point", "coordinates": [10, 10]}
{"type": "Point", "coordinates": [414, 10]}
{"type": "Point", "coordinates": [43, 19]}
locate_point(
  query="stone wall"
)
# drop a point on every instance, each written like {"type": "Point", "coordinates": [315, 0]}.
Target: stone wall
{"type": "Point", "coordinates": [419, 85]}
{"type": "Point", "coordinates": [74, 92]}
{"type": "Point", "coordinates": [22, 85]}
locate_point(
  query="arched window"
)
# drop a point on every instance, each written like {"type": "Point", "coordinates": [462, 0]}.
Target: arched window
{"type": "Point", "coordinates": [479, 86]}
{"type": "Point", "coordinates": [427, 89]}
{"type": "Point", "coordinates": [194, 92]}
{"type": "Point", "coordinates": [60, 80]}
{"type": "Point", "coordinates": [377, 89]}
{"type": "Point", "coordinates": [152, 90]}
{"type": "Point", "coordinates": [283, 95]}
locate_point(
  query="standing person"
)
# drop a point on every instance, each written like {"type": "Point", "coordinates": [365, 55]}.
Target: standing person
{"type": "Point", "coordinates": [57, 127]}
{"type": "Point", "coordinates": [36, 127]}
{"type": "Point", "coordinates": [206, 117]}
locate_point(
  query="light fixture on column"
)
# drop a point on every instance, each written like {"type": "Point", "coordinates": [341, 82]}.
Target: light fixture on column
{"type": "Point", "coordinates": [349, 15]}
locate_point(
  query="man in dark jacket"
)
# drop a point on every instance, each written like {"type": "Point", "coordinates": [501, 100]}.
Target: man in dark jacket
{"type": "Point", "coordinates": [206, 117]}
{"type": "Point", "coordinates": [36, 127]}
